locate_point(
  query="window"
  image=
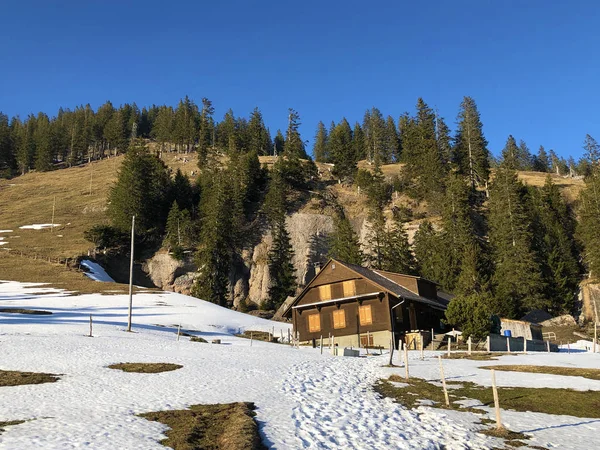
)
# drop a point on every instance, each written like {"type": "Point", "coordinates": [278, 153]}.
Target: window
{"type": "Point", "coordinates": [349, 288]}
{"type": "Point", "coordinates": [364, 312]}
{"type": "Point", "coordinates": [325, 292]}
{"type": "Point", "coordinates": [314, 323]}
{"type": "Point", "coordinates": [339, 319]}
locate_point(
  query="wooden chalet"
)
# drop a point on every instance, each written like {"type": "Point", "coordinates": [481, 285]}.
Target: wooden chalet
{"type": "Point", "coordinates": [365, 307]}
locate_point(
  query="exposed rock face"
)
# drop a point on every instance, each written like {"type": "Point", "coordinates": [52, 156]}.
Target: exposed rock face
{"type": "Point", "coordinates": [249, 278]}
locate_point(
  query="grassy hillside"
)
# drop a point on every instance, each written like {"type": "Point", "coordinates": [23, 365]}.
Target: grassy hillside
{"type": "Point", "coordinates": [29, 199]}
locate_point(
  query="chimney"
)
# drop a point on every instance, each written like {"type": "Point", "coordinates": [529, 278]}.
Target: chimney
{"type": "Point", "coordinates": [317, 268]}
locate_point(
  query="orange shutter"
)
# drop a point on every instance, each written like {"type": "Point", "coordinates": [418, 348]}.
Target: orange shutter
{"type": "Point", "coordinates": [325, 292]}
{"type": "Point", "coordinates": [314, 323]}
{"type": "Point", "coordinates": [349, 288]}
{"type": "Point", "coordinates": [339, 319]}
{"type": "Point", "coordinates": [366, 318]}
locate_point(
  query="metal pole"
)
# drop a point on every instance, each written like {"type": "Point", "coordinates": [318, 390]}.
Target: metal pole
{"type": "Point", "coordinates": [131, 274]}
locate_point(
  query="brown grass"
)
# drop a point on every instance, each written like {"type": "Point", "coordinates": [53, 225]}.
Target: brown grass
{"type": "Point", "coordinates": [545, 400]}
{"type": "Point", "coordinates": [259, 336]}
{"type": "Point", "coordinates": [198, 339]}
{"type": "Point", "coordinates": [145, 367]}
{"type": "Point", "coordinates": [570, 187]}
{"type": "Point", "coordinates": [33, 312]}
{"type": "Point", "coordinates": [210, 427]}
{"type": "Point", "coordinates": [16, 378]}
{"type": "Point", "coordinates": [475, 356]}
{"type": "Point", "coordinates": [9, 423]}
{"type": "Point", "coordinates": [15, 268]}
{"type": "Point", "coordinates": [592, 374]}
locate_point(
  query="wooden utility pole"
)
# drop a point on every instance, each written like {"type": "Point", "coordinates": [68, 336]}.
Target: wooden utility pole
{"type": "Point", "coordinates": [131, 273]}
{"type": "Point", "coordinates": [53, 210]}
{"type": "Point", "coordinates": [91, 326]}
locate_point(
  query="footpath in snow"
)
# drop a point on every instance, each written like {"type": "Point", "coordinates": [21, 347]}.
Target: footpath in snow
{"type": "Point", "coordinates": [304, 399]}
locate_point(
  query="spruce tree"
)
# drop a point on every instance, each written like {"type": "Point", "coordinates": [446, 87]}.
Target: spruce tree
{"type": "Point", "coordinates": [392, 142]}
{"type": "Point", "coordinates": [343, 242]}
{"type": "Point", "coordinates": [259, 137]}
{"type": "Point", "coordinates": [341, 152]}
{"type": "Point", "coordinates": [589, 211]}
{"type": "Point", "coordinates": [427, 248]}
{"type": "Point", "coordinates": [510, 154]}
{"type": "Point", "coordinates": [7, 153]}
{"type": "Point", "coordinates": [215, 247]}
{"type": "Point", "coordinates": [278, 144]}
{"type": "Point", "coordinates": [293, 145]}
{"type": "Point", "coordinates": [518, 284]}
{"type": "Point", "coordinates": [142, 189]}
{"type": "Point", "coordinates": [470, 150]}
{"type": "Point", "coordinates": [281, 269]}
{"type": "Point", "coordinates": [397, 254]}
{"type": "Point", "coordinates": [179, 231]}
{"type": "Point", "coordinates": [541, 162]}
{"type": "Point", "coordinates": [358, 142]}
{"type": "Point", "coordinates": [44, 151]}
{"type": "Point", "coordinates": [320, 152]}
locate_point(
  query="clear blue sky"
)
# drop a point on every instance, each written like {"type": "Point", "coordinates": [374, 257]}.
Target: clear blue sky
{"type": "Point", "coordinates": [532, 66]}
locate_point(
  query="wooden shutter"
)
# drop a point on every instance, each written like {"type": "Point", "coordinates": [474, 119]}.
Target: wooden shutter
{"type": "Point", "coordinates": [365, 315]}
{"type": "Point", "coordinates": [349, 288]}
{"type": "Point", "coordinates": [325, 292]}
{"type": "Point", "coordinates": [314, 323]}
{"type": "Point", "coordinates": [339, 319]}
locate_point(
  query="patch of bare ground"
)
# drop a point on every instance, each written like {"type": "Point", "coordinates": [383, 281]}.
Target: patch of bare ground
{"type": "Point", "coordinates": [10, 423]}
{"type": "Point", "coordinates": [476, 356]}
{"type": "Point", "coordinates": [592, 374]}
{"type": "Point", "coordinates": [16, 378]}
{"type": "Point", "coordinates": [566, 402]}
{"type": "Point", "coordinates": [33, 312]}
{"type": "Point", "coordinates": [210, 427]}
{"type": "Point", "coordinates": [145, 367]}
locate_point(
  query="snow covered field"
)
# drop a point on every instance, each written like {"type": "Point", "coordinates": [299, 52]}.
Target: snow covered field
{"type": "Point", "coordinates": [304, 399]}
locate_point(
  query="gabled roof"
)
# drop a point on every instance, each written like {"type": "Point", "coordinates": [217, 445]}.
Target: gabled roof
{"type": "Point", "coordinates": [383, 282]}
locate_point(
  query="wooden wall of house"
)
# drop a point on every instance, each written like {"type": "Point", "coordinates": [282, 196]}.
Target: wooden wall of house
{"type": "Point", "coordinates": [379, 311]}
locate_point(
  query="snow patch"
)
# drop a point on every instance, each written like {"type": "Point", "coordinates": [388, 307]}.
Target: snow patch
{"type": "Point", "coordinates": [96, 271]}
{"type": "Point", "coordinates": [6, 231]}
{"type": "Point", "coordinates": [39, 226]}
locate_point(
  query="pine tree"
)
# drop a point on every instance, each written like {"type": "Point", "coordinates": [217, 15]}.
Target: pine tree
{"type": "Point", "coordinates": [444, 142]}
{"type": "Point", "coordinates": [343, 242]}
{"type": "Point", "coordinates": [281, 269]}
{"type": "Point", "coordinates": [182, 191]}
{"type": "Point", "coordinates": [259, 137]}
{"type": "Point", "coordinates": [142, 189]}
{"type": "Point", "coordinates": [320, 152]}
{"type": "Point", "coordinates": [374, 129]}
{"type": "Point", "coordinates": [114, 133]}
{"type": "Point", "coordinates": [554, 243]}
{"type": "Point", "coordinates": [427, 249]}
{"type": "Point", "coordinates": [44, 151]}
{"type": "Point", "coordinates": [510, 154]}
{"type": "Point", "coordinates": [293, 145]}
{"type": "Point", "coordinates": [358, 142]}
{"type": "Point", "coordinates": [162, 130]}
{"type": "Point", "coordinates": [470, 151]}
{"type": "Point", "coordinates": [215, 249]}
{"type": "Point", "coordinates": [340, 150]}
{"type": "Point", "coordinates": [7, 152]}
{"type": "Point", "coordinates": [377, 239]}
{"type": "Point", "coordinates": [541, 162]}
{"type": "Point", "coordinates": [397, 254]}
{"type": "Point", "coordinates": [518, 284]}
{"type": "Point", "coordinates": [392, 141]}
{"type": "Point", "coordinates": [589, 211]}
{"type": "Point", "coordinates": [179, 232]}
{"type": "Point", "coordinates": [278, 143]}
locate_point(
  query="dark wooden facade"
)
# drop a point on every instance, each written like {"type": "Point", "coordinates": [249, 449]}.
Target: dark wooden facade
{"type": "Point", "coordinates": [348, 300]}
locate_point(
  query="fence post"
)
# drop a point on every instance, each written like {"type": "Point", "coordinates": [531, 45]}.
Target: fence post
{"type": "Point", "coordinates": [321, 344]}
{"type": "Point", "coordinates": [524, 345]}
{"type": "Point", "coordinates": [289, 337]}
{"type": "Point", "coordinates": [595, 334]}
{"type": "Point", "coordinates": [449, 345]}
{"type": "Point", "coordinates": [91, 326]}
{"type": "Point", "coordinates": [178, 331]}
{"type": "Point", "coordinates": [406, 361]}
{"type": "Point", "coordinates": [391, 351]}
{"type": "Point", "coordinates": [508, 344]}
{"type": "Point", "coordinates": [251, 339]}
{"type": "Point", "coordinates": [548, 346]}
{"type": "Point", "coordinates": [496, 401]}
{"type": "Point", "coordinates": [422, 356]}
{"type": "Point", "coordinates": [443, 381]}
{"type": "Point", "coordinates": [469, 344]}
{"type": "Point", "coordinates": [333, 345]}
{"type": "Point", "coordinates": [487, 344]}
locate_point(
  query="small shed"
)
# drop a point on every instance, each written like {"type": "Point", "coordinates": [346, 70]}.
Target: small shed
{"type": "Point", "coordinates": [521, 328]}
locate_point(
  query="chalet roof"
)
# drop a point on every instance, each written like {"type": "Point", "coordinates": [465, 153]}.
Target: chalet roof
{"type": "Point", "coordinates": [385, 283]}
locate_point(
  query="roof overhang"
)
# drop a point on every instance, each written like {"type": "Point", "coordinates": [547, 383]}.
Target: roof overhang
{"type": "Point", "coordinates": [337, 301]}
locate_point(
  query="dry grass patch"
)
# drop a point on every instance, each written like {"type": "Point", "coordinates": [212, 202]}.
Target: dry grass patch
{"type": "Point", "coordinates": [34, 312]}
{"type": "Point", "coordinates": [9, 423]}
{"type": "Point", "coordinates": [544, 400]}
{"type": "Point", "coordinates": [592, 374]}
{"type": "Point", "coordinates": [475, 356]}
{"type": "Point", "coordinates": [259, 336]}
{"type": "Point", "coordinates": [210, 427]}
{"type": "Point", "coordinates": [198, 339]}
{"type": "Point", "coordinates": [145, 367]}
{"type": "Point", "coordinates": [16, 378]}
{"type": "Point", "coordinates": [15, 268]}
